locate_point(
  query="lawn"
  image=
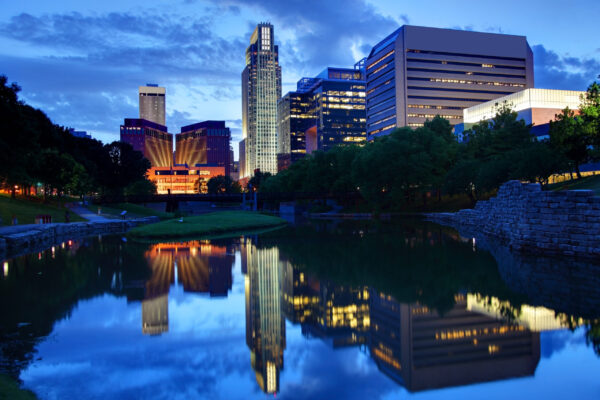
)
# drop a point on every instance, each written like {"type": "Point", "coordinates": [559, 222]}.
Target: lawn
{"type": "Point", "coordinates": [207, 224]}
{"type": "Point", "coordinates": [10, 390]}
{"type": "Point", "coordinates": [133, 210]}
{"type": "Point", "coordinates": [589, 182]}
{"type": "Point", "coordinates": [27, 208]}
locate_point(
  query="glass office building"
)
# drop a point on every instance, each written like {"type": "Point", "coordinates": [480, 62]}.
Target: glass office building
{"type": "Point", "coordinates": [417, 73]}
{"type": "Point", "coordinates": [324, 111]}
{"type": "Point", "coordinates": [261, 89]}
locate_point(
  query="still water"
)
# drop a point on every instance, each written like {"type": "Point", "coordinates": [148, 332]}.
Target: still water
{"type": "Point", "coordinates": [324, 310]}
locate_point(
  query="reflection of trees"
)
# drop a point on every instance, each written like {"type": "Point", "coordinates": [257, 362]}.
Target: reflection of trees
{"type": "Point", "coordinates": [43, 288]}
{"type": "Point", "coordinates": [592, 335]}
{"type": "Point", "coordinates": [411, 262]}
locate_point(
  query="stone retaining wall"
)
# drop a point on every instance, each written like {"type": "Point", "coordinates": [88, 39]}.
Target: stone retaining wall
{"type": "Point", "coordinates": [529, 220]}
{"type": "Point", "coordinates": [19, 240]}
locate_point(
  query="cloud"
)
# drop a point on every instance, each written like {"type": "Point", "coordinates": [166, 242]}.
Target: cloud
{"type": "Point", "coordinates": [553, 71]}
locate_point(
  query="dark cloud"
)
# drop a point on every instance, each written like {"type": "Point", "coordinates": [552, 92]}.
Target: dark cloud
{"type": "Point", "coordinates": [553, 71]}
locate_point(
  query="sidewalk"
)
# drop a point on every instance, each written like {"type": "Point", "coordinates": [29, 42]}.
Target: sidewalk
{"type": "Point", "coordinates": [87, 214]}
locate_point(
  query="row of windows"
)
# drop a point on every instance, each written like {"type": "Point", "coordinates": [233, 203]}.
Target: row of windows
{"type": "Point", "coordinates": [345, 100]}
{"type": "Point", "coordinates": [378, 69]}
{"type": "Point", "coordinates": [434, 107]}
{"type": "Point", "coordinates": [378, 86]}
{"type": "Point", "coordinates": [439, 53]}
{"type": "Point", "coordinates": [457, 90]}
{"type": "Point", "coordinates": [392, 107]}
{"type": "Point", "coordinates": [345, 106]}
{"type": "Point", "coordinates": [381, 59]}
{"type": "Point", "coordinates": [434, 115]}
{"type": "Point", "coordinates": [444, 71]}
{"type": "Point", "coordinates": [415, 125]}
{"type": "Point", "coordinates": [385, 128]}
{"type": "Point", "coordinates": [348, 93]}
{"type": "Point", "coordinates": [382, 120]}
{"type": "Point", "coordinates": [468, 82]}
{"type": "Point", "coordinates": [465, 64]}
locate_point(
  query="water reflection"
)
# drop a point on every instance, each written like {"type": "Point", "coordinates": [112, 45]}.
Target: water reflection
{"type": "Point", "coordinates": [426, 310]}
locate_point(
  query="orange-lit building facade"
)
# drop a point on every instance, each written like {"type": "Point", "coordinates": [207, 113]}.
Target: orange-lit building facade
{"type": "Point", "coordinates": [207, 142]}
{"type": "Point", "coordinates": [182, 179]}
{"type": "Point", "coordinates": [151, 139]}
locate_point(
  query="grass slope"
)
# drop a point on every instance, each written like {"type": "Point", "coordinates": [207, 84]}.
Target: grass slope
{"type": "Point", "coordinates": [10, 390]}
{"type": "Point", "coordinates": [207, 224]}
{"type": "Point", "coordinates": [133, 210]}
{"type": "Point", "coordinates": [590, 182]}
{"type": "Point", "coordinates": [27, 209]}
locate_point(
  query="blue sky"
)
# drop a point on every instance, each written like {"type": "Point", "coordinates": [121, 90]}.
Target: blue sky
{"type": "Point", "coordinates": [81, 61]}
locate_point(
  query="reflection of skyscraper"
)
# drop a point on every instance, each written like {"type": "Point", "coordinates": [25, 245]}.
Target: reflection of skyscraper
{"type": "Point", "coordinates": [265, 325]}
{"type": "Point", "coordinates": [423, 350]}
{"type": "Point", "coordinates": [155, 315]}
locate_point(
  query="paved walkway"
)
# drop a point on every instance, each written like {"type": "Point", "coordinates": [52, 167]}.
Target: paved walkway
{"type": "Point", "coordinates": [84, 212]}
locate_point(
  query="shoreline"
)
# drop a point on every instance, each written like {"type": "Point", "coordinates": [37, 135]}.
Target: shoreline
{"type": "Point", "coordinates": [22, 239]}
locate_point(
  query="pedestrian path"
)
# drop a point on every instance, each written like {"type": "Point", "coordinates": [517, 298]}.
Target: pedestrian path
{"type": "Point", "coordinates": [84, 212]}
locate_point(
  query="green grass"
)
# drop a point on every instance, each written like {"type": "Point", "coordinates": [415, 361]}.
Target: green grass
{"type": "Point", "coordinates": [27, 208]}
{"type": "Point", "coordinates": [133, 210]}
{"type": "Point", "coordinates": [207, 224]}
{"type": "Point", "coordinates": [589, 182]}
{"type": "Point", "coordinates": [10, 390]}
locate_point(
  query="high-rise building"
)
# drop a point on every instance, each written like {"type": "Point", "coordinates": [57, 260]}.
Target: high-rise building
{"type": "Point", "coordinates": [417, 73]}
{"type": "Point", "coordinates": [261, 89]}
{"type": "Point", "coordinates": [152, 103]}
{"type": "Point", "coordinates": [242, 156]}
{"type": "Point", "coordinates": [205, 143]}
{"type": "Point", "coordinates": [151, 139]}
{"type": "Point", "coordinates": [323, 112]}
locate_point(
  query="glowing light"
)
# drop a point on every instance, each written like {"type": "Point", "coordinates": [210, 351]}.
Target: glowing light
{"type": "Point", "coordinates": [5, 268]}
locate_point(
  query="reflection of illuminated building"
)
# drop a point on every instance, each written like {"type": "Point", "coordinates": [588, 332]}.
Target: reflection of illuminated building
{"type": "Point", "coordinates": [537, 319]}
{"type": "Point", "coordinates": [155, 315]}
{"type": "Point", "coordinates": [422, 350]}
{"type": "Point", "coordinates": [265, 325]}
{"type": "Point", "coordinates": [325, 310]}
{"type": "Point", "coordinates": [201, 267]}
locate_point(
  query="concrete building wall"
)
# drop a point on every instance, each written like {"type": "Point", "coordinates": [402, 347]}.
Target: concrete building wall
{"type": "Point", "coordinates": [152, 103]}
{"type": "Point", "coordinates": [417, 73]}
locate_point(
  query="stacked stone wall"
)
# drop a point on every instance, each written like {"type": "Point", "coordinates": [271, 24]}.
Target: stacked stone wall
{"type": "Point", "coordinates": [529, 220]}
{"type": "Point", "coordinates": [36, 237]}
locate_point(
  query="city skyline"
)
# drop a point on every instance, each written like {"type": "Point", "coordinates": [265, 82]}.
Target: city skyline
{"type": "Point", "coordinates": [90, 79]}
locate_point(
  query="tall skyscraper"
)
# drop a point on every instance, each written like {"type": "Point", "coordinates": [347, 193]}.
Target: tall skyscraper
{"type": "Point", "coordinates": [261, 89]}
{"type": "Point", "coordinates": [152, 103]}
{"type": "Point", "coordinates": [417, 73]}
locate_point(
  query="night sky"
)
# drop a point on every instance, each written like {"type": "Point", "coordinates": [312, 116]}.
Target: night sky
{"type": "Point", "coordinates": [81, 61]}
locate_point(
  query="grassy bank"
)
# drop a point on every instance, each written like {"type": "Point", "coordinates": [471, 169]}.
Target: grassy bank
{"type": "Point", "coordinates": [133, 210]}
{"type": "Point", "coordinates": [10, 390]}
{"type": "Point", "coordinates": [27, 208]}
{"type": "Point", "coordinates": [590, 183]}
{"type": "Point", "coordinates": [207, 224]}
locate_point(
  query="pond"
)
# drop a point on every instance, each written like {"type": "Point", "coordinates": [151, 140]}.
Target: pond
{"type": "Point", "coordinates": [328, 309]}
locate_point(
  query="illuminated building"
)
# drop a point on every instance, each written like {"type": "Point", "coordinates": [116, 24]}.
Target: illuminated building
{"type": "Point", "coordinates": [204, 144]}
{"type": "Point", "coordinates": [536, 319]}
{"type": "Point", "coordinates": [534, 106]}
{"type": "Point", "coordinates": [265, 324]}
{"type": "Point", "coordinates": [299, 294]}
{"type": "Point", "coordinates": [261, 88]}
{"type": "Point", "coordinates": [182, 179]}
{"type": "Point", "coordinates": [242, 159]}
{"type": "Point", "coordinates": [417, 73]}
{"type": "Point", "coordinates": [152, 103]}
{"type": "Point", "coordinates": [422, 350]}
{"type": "Point", "coordinates": [323, 112]}
{"type": "Point", "coordinates": [151, 139]}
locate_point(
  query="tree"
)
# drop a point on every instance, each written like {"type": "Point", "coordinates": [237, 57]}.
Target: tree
{"type": "Point", "coordinates": [124, 166]}
{"type": "Point", "coordinates": [142, 187]}
{"type": "Point", "coordinates": [258, 179]}
{"type": "Point", "coordinates": [223, 184]}
{"type": "Point", "coordinates": [570, 137]}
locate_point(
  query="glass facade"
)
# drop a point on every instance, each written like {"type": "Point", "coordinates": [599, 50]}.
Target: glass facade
{"type": "Point", "coordinates": [261, 88]}
{"type": "Point", "coordinates": [331, 106]}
